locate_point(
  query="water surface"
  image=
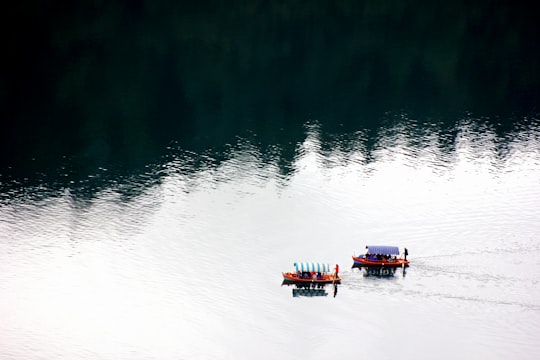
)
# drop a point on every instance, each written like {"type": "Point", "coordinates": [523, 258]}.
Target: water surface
{"type": "Point", "coordinates": [184, 261]}
{"type": "Point", "coordinates": [161, 165]}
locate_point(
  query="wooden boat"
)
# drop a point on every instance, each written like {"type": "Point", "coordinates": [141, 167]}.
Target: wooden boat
{"type": "Point", "coordinates": [381, 256]}
{"type": "Point", "coordinates": [311, 273]}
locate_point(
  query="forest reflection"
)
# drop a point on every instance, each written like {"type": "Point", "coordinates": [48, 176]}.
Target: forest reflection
{"type": "Point", "coordinates": [112, 84]}
{"type": "Point", "coordinates": [395, 149]}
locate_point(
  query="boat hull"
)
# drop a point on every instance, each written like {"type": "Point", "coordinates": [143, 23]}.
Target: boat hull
{"type": "Point", "coordinates": [361, 261]}
{"type": "Point", "coordinates": [293, 278]}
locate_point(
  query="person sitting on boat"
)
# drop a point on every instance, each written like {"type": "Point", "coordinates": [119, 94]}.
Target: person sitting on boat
{"type": "Point", "coordinates": [319, 276]}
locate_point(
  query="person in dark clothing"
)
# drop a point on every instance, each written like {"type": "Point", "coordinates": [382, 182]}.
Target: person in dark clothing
{"type": "Point", "coordinates": [406, 252]}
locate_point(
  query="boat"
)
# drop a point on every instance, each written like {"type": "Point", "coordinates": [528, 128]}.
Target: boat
{"type": "Point", "coordinates": [311, 273]}
{"type": "Point", "coordinates": [377, 255]}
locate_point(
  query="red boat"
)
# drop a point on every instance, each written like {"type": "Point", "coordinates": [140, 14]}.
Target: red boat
{"type": "Point", "coordinates": [381, 256]}
{"type": "Point", "coordinates": [311, 273]}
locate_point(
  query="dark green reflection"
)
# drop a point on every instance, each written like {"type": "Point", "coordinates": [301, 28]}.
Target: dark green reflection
{"type": "Point", "coordinates": [112, 83]}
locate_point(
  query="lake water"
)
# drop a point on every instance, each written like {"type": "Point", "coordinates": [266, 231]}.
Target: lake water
{"type": "Point", "coordinates": [162, 165]}
{"type": "Point", "coordinates": [183, 260]}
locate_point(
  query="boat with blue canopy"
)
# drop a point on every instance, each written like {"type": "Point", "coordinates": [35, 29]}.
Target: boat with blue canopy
{"type": "Point", "coordinates": [382, 255]}
{"type": "Point", "coordinates": [312, 272]}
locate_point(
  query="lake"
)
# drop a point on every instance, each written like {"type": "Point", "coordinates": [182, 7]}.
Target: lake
{"type": "Point", "coordinates": [190, 265]}
{"type": "Point", "coordinates": [161, 166]}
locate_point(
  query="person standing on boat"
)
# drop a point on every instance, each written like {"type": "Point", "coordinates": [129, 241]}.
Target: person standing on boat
{"type": "Point", "coordinates": [405, 252]}
{"type": "Point", "coordinates": [337, 269]}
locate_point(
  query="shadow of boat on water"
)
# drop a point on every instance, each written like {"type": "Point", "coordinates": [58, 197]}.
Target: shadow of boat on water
{"type": "Point", "coordinates": [312, 289]}
{"type": "Point", "coordinates": [381, 271]}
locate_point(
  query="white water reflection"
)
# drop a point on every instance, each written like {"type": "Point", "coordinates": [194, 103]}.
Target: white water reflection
{"type": "Point", "coordinates": [191, 268]}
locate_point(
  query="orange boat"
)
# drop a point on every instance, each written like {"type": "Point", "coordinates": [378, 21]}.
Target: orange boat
{"type": "Point", "coordinates": [381, 256]}
{"type": "Point", "coordinates": [311, 273]}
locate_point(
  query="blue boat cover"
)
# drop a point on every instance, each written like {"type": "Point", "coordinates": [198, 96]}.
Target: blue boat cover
{"type": "Point", "coordinates": [384, 250]}
{"type": "Point", "coordinates": [312, 266]}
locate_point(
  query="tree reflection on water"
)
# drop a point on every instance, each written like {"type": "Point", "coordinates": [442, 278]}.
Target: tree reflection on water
{"type": "Point", "coordinates": [112, 84]}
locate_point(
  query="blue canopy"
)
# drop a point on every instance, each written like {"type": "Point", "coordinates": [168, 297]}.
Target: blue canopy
{"type": "Point", "coordinates": [384, 250]}
{"type": "Point", "coordinates": [312, 266]}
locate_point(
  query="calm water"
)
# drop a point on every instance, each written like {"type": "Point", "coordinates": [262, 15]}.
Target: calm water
{"type": "Point", "coordinates": [186, 263]}
{"type": "Point", "coordinates": [161, 165]}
